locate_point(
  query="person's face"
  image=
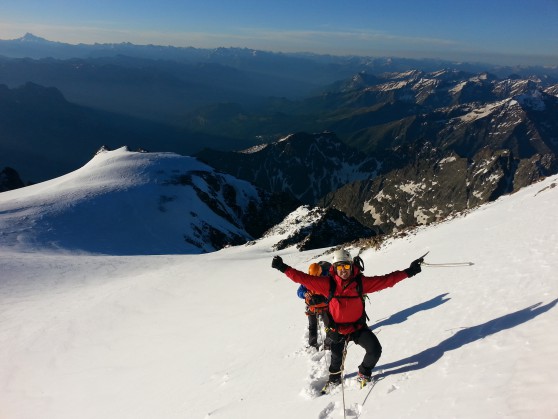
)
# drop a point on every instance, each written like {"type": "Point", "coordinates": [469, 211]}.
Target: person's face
{"type": "Point", "coordinates": [343, 270]}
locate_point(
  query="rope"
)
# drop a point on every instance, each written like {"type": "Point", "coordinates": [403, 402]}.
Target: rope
{"type": "Point", "coordinates": [319, 327]}
{"type": "Point", "coordinates": [343, 378]}
{"type": "Point", "coordinates": [442, 265]}
{"type": "Point", "coordinates": [320, 324]}
{"type": "Point", "coordinates": [341, 372]}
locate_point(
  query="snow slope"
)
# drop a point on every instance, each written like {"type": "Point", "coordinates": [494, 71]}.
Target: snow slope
{"type": "Point", "coordinates": [222, 335]}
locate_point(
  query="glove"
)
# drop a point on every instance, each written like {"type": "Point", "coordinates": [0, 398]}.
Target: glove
{"type": "Point", "coordinates": [414, 268]}
{"type": "Point", "coordinates": [278, 264]}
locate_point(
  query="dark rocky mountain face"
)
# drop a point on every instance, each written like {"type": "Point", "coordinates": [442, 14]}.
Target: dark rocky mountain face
{"type": "Point", "coordinates": [9, 179]}
{"type": "Point", "coordinates": [314, 228]}
{"type": "Point", "coordinates": [448, 141]}
{"type": "Point", "coordinates": [221, 195]}
{"type": "Point", "coordinates": [307, 166]}
{"type": "Point", "coordinates": [522, 123]}
{"type": "Point", "coordinates": [452, 110]}
{"type": "Point", "coordinates": [435, 186]}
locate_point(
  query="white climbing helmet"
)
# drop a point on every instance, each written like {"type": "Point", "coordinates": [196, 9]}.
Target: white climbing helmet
{"type": "Point", "coordinates": [341, 255]}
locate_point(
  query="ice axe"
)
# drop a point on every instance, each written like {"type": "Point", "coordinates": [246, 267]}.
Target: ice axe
{"type": "Point", "coordinates": [443, 265]}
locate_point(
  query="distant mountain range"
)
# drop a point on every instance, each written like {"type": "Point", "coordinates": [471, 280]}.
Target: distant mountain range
{"type": "Point", "coordinates": [43, 136]}
{"type": "Point", "coordinates": [384, 144]}
{"type": "Point", "coordinates": [165, 83]}
{"type": "Point", "coordinates": [375, 113]}
{"type": "Point", "coordinates": [298, 66]}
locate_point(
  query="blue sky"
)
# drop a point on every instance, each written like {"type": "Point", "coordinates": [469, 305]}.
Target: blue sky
{"type": "Point", "coordinates": [497, 31]}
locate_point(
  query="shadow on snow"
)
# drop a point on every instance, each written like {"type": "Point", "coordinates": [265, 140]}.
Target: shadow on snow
{"type": "Point", "coordinates": [403, 315]}
{"type": "Point", "coordinates": [463, 337]}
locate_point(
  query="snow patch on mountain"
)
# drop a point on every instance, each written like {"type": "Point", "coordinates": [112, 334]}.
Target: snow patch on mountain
{"type": "Point", "coordinates": [302, 217]}
{"type": "Point", "coordinates": [481, 112]}
{"type": "Point", "coordinates": [533, 100]}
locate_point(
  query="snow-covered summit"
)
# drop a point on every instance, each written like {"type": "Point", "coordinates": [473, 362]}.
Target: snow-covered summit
{"type": "Point", "coordinates": [30, 38]}
{"type": "Point", "coordinates": [124, 202]}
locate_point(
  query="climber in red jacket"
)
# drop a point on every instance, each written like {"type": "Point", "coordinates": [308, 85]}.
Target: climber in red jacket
{"type": "Point", "coordinates": [345, 287]}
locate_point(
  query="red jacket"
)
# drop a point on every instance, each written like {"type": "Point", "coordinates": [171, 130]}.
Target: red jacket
{"type": "Point", "coordinates": [345, 310]}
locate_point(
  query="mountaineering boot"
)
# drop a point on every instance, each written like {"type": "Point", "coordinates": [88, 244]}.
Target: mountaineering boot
{"type": "Point", "coordinates": [331, 384]}
{"type": "Point", "coordinates": [363, 379]}
{"type": "Point", "coordinates": [333, 381]}
{"type": "Point", "coordinates": [313, 343]}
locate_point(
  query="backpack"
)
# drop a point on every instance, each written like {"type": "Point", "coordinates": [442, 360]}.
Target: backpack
{"type": "Point", "coordinates": [316, 303]}
{"type": "Point", "coordinates": [325, 267]}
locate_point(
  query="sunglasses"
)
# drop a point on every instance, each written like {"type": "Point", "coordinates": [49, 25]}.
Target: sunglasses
{"type": "Point", "coordinates": [341, 266]}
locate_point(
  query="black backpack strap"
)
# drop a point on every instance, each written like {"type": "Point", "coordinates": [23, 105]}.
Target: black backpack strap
{"type": "Point", "coordinates": [359, 263]}
{"type": "Point", "coordinates": [328, 320]}
{"type": "Point", "coordinates": [332, 286]}
{"type": "Point", "coordinates": [358, 280]}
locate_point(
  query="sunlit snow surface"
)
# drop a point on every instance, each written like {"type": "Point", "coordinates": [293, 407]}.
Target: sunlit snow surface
{"type": "Point", "coordinates": [222, 335]}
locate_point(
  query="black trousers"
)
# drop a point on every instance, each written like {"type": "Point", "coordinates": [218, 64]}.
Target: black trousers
{"type": "Point", "coordinates": [312, 329]}
{"type": "Point", "coordinates": [362, 337]}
